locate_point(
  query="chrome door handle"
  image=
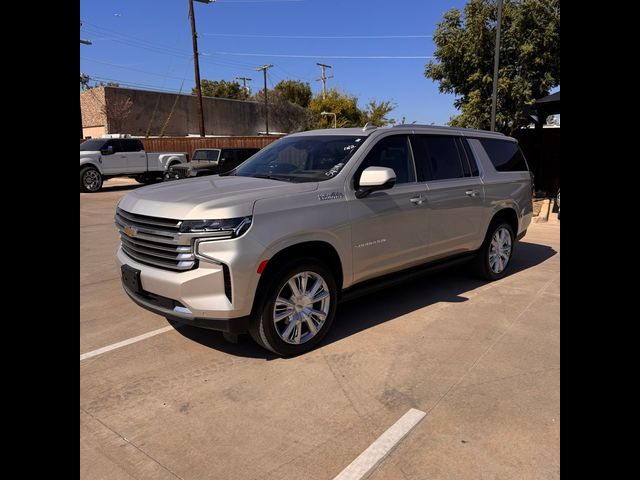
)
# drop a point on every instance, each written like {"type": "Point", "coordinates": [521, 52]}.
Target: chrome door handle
{"type": "Point", "coordinates": [417, 200]}
{"type": "Point", "coordinates": [471, 193]}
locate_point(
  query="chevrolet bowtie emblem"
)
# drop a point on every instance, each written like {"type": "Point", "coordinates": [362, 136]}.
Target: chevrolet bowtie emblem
{"type": "Point", "coordinates": [129, 232]}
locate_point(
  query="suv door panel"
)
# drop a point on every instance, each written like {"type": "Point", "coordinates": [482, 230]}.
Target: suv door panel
{"type": "Point", "coordinates": [455, 206]}
{"type": "Point", "coordinates": [389, 230]}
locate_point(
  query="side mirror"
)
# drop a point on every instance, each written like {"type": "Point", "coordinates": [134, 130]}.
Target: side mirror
{"type": "Point", "coordinates": [107, 151]}
{"type": "Point", "coordinates": [375, 178]}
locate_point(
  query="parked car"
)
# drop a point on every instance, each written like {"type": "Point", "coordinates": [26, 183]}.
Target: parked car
{"type": "Point", "coordinates": [209, 161]}
{"type": "Point", "coordinates": [121, 156]}
{"type": "Point", "coordinates": [271, 247]}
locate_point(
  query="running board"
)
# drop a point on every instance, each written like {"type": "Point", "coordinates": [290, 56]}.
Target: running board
{"type": "Point", "coordinates": [386, 281]}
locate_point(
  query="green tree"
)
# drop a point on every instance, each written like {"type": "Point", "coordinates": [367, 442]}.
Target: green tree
{"type": "Point", "coordinates": [295, 91]}
{"type": "Point", "coordinates": [376, 113]}
{"type": "Point", "coordinates": [343, 105]}
{"type": "Point", "coordinates": [529, 59]}
{"type": "Point", "coordinates": [220, 88]}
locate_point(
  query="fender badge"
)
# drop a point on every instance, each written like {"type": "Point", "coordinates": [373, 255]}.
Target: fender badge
{"type": "Point", "coordinates": [330, 196]}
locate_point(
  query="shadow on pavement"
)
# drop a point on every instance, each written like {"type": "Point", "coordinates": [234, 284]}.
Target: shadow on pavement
{"type": "Point", "coordinates": [388, 304]}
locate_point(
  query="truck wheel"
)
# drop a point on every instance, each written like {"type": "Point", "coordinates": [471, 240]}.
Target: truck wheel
{"type": "Point", "coordinates": [297, 310]}
{"type": "Point", "coordinates": [495, 254]}
{"type": "Point", "coordinates": [90, 179]}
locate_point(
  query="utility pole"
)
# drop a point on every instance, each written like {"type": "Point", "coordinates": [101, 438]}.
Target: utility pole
{"type": "Point", "coordinates": [245, 89]}
{"type": "Point", "coordinates": [264, 69]}
{"type": "Point", "coordinates": [82, 77]}
{"type": "Point", "coordinates": [196, 62]}
{"type": "Point", "coordinates": [323, 78]}
{"type": "Point", "coordinates": [496, 61]}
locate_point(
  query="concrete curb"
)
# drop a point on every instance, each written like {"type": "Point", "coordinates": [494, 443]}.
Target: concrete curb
{"type": "Point", "coordinates": [544, 212]}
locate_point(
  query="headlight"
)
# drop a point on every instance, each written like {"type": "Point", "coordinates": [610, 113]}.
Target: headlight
{"type": "Point", "coordinates": [227, 228]}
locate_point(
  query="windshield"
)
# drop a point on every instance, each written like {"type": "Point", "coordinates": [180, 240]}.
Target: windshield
{"type": "Point", "coordinates": [92, 145]}
{"type": "Point", "coordinates": [310, 158]}
{"type": "Point", "coordinates": [206, 155]}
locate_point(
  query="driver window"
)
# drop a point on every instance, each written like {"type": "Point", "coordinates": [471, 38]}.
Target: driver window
{"type": "Point", "coordinates": [391, 152]}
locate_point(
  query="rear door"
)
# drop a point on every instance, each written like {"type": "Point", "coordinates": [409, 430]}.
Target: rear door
{"type": "Point", "coordinates": [454, 196]}
{"type": "Point", "coordinates": [136, 157]}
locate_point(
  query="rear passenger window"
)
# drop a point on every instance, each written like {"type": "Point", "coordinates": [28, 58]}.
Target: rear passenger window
{"type": "Point", "coordinates": [438, 157]}
{"type": "Point", "coordinates": [391, 152]}
{"type": "Point", "coordinates": [473, 164]}
{"type": "Point", "coordinates": [505, 155]}
{"type": "Point", "coordinates": [130, 145]}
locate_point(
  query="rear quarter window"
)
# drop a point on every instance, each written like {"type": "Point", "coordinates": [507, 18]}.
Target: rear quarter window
{"type": "Point", "coordinates": [505, 156]}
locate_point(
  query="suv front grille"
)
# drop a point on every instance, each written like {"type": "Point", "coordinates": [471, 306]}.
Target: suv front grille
{"type": "Point", "coordinates": [155, 241]}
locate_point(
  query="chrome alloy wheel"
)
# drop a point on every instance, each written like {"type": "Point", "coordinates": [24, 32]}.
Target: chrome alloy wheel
{"type": "Point", "coordinates": [500, 250]}
{"type": "Point", "coordinates": [301, 307]}
{"type": "Point", "coordinates": [91, 180]}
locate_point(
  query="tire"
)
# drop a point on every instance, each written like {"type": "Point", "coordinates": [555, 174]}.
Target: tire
{"type": "Point", "coordinates": [90, 180]}
{"type": "Point", "coordinates": [145, 179]}
{"type": "Point", "coordinates": [298, 326]}
{"type": "Point", "coordinates": [487, 264]}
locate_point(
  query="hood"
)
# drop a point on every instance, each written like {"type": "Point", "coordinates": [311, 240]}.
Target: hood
{"type": "Point", "coordinates": [208, 197]}
{"type": "Point", "coordinates": [89, 153]}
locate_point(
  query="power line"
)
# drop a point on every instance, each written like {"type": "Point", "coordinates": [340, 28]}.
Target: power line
{"type": "Point", "coordinates": [326, 37]}
{"type": "Point", "coordinates": [422, 57]}
{"type": "Point", "coordinates": [129, 68]}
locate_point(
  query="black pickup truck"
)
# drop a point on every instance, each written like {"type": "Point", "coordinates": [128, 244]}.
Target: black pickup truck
{"type": "Point", "coordinates": [209, 161]}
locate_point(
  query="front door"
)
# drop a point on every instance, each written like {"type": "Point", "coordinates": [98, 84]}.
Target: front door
{"type": "Point", "coordinates": [115, 162]}
{"type": "Point", "coordinates": [388, 227]}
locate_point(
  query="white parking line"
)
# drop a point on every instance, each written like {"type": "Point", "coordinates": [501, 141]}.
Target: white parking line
{"type": "Point", "coordinates": [124, 343]}
{"type": "Point", "coordinates": [378, 450]}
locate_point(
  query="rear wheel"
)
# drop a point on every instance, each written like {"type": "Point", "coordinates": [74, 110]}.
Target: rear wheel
{"type": "Point", "coordinates": [90, 179]}
{"type": "Point", "coordinates": [497, 249]}
{"type": "Point", "coordinates": [297, 310]}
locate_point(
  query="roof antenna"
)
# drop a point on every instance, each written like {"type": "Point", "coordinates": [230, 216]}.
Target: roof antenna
{"type": "Point", "coordinates": [368, 126]}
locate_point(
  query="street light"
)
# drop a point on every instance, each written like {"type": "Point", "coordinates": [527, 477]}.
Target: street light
{"type": "Point", "coordinates": [335, 118]}
{"type": "Point", "coordinates": [196, 62]}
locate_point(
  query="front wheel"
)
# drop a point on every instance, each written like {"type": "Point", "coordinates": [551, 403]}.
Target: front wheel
{"type": "Point", "coordinates": [297, 310]}
{"type": "Point", "coordinates": [90, 180]}
{"type": "Point", "coordinates": [497, 249]}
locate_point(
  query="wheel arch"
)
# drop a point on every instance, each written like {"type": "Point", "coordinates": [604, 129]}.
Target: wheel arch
{"type": "Point", "coordinates": [321, 250]}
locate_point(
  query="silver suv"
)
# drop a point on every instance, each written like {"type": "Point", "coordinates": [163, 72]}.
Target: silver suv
{"type": "Point", "coordinates": [271, 247]}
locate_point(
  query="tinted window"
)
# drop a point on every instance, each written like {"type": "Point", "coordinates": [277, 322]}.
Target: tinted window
{"type": "Point", "coordinates": [438, 156]}
{"type": "Point", "coordinates": [505, 155]}
{"type": "Point", "coordinates": [470, 158]}
{"type": "Point", "coordinates": [391, 152]}
{"type": "Point", "coordinates": [131, 145]}
{"type": "Point", "coordinates": [93, 145]}
{"type": "Point", "coordinates": [117, 147]}
{"type": "Point", "coordinates": [206, 155]}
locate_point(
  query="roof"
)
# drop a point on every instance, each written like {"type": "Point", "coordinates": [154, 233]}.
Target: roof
{"type": "Point", "coordinates": [554, 97]}
{"type": "Point", "coordinates": [408, 126]}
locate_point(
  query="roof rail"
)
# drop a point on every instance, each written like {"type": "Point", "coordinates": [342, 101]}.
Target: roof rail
{"type": "Point", "coordinates": [368, 126]}
{"type": "Point", "coordinates": [442, 127]}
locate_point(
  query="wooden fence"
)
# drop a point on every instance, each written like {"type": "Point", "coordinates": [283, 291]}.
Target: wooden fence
{"type": "Point", "coordinates": [189, 144]}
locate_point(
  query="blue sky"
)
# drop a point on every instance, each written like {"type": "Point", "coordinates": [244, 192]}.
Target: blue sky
{"type": "Point", "coordinates": [148, 42]}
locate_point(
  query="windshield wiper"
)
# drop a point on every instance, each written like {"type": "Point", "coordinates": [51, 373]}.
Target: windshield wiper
{"type": "Point", "coordinates": [270, 177]}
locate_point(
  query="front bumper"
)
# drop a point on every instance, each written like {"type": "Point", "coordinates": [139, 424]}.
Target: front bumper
{"type": "Point", "coordinates": [168, 308]}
